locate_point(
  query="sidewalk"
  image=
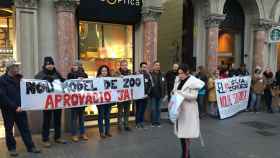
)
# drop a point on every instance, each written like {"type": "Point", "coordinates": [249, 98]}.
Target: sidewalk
{"type": "Point", "coordinates": [246, 135]}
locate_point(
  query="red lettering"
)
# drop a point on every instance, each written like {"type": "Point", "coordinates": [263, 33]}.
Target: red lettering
{"type": "Point", "coordinates": [95, 98]}
{"type": "Point", "coordinates": [66, 99]}
{"type": "Point", "coordinates": [82, 99]}
{"type": "Point", "coordinates": [120, 97]}
{"type": "Point", "coordinates": [101, 97]}
{"type": "Point", "coordinates": [89, 99]}
{"type": "Point", "coordinates": [49, 102]}
{"type": "Point", "coordinates": [57, 100]}
{"type": "Point", "coordinates": [74, 99]}
{"type": "Point", "coordinates": [107, 96]}
{"type": "Point", "coordinates": [223, 101]}
{"type": "Point", "coordinates": [126, 95]}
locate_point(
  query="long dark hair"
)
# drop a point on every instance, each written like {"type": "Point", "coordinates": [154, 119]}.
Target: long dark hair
{"type": "Point", "coordinates": [100, 68]}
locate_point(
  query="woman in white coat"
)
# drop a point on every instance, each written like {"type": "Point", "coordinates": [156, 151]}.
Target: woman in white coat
{"type": "Point", "coordinates": [187, 125]}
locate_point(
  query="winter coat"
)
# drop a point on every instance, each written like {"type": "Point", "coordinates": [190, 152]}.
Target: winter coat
{"type": "Point", "coordinates": [258, 84]}
{"type": "Point", "coordinates": [77, 74]}
{"type": "Point", "coordinates": [170, 80]}
{"type": "Point", "coordinates": [49, 75]}
{"type": "Point", "coordinates": [159, 87]}
{"type": "Point", "coordinates": [211, 90]}
{"type": "Point", "coordinates": [148, 83]}
{"type": "Point", "coordinates": [187, 124]}
{"type": "Point", "coordinates": [10, 92]}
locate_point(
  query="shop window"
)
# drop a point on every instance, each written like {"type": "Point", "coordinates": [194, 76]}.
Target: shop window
{"type": "Point", "coordinates": [104, 44]}
{"type": "Point", "coordinates": [6, 36]}
{"type": "Point", "coordinates": [6, 46]}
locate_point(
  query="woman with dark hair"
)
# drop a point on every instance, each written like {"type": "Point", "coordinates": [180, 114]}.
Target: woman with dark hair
{"type": "Point", "coordinates": [187, 125]}
{"type": "Point", "coordinates": [104, 110]}
{"type": "Point", "coordinates": [77, 72]}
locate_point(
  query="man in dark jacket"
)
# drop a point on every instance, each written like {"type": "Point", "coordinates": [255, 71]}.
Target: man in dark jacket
{"type": "Point", "coordinates": [10, 102]}
{"type": "Point", "coordinates": [157, 93]}
{"type": "Point", "coordinates": [170, 79]}
{"type": "Point", "coordinates": [123, 107]}
{"type": "Point", "coordinates": [50, 74]}
{"type": "Point", "coordinates": [141, 104]}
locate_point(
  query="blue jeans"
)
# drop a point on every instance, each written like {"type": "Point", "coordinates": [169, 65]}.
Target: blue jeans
{"type": "Point", "coordinates": [77, 114]}
{"type": "Point", "coordinates": [255, 101]}
{"type": "Point", "coordinates": [155, 110]}
{"type": "Point", "coordinates": [140, 110]}
{"type": "Point", "coordinates": [104, 114]}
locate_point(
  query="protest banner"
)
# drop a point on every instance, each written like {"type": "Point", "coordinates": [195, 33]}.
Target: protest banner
{"type": "Point", "coordinates": [43, 95]}
{"type": "Point", "coordinates": [232, 95]}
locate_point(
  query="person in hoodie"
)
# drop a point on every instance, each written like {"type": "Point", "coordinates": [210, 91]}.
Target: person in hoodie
{"type": "Point", "coordinates": [77, 114]}
{"type": "Point", "coordinates": [141, 104]}
{"type": "Point", "coordinates": [123, 107]}
{"type": "Point", "coordinates": [49, 73]}
{"type": "Point", "coordinates": [10, 104]}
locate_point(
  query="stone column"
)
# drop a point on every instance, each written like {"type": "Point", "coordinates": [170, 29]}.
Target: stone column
{"type": "Point", "coordinates": [150, 29]}
{"type": "Point", "coordinates": [27, 36]}
{"type": "Point", "coordinates": [67, 44]}
{"type": "Point", "coordinates": [260, 40]}
{"type": "Point", "coordinates": [212, 23]}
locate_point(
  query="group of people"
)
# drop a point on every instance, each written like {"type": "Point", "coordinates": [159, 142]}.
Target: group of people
{"type": "Point", "coordinates": [10, 101]}
{"type": "Point", "coordinates": [195, 87]}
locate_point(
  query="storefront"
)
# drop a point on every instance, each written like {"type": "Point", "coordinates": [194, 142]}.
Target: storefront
{"type": "Point", "coordinates": [7, 42]}
{"type": "Point", "coordinates": [106, 36]}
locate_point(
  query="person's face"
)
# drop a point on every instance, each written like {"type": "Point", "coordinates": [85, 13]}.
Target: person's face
{"type": "Point", "coordinates": [50, 67]}
{"type": "Point", "coordinates": [144, 68]}
{"type": "Point", "coordinates": [182, 75]}
{"type": "Point", "coordinates": [124, 65]}
{"type": "Point", "coordinates": [157, 66]}
{"type": "Point", "coordinates": [175, 67]}
{"type": "Point", "coordinates": [75, 67]}
{"type": "Point", "coordinates": [14, 70]}
{"type": "Point", "coordinates": [104, 72]}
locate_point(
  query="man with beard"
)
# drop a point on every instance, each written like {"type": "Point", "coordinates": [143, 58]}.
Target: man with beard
{"type": "Point", "coordinates": [123, 107]}
{"type": "Point", "coordinates": [49, 73]}
{"type": "Point", "coordinates": [10, 102]}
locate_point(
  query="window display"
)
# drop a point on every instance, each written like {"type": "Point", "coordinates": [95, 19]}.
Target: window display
{"type": "Point", "coordinates": [104, 44]}
{"type": "Point", "coordinates": [6, 36]}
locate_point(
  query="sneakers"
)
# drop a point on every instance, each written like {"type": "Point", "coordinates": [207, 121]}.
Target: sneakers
{"type": "Point", "coordinates": [34, 150]}
{"type": "Point", "coordinates": [13, 153]}
{"type": "Point", "coordinates": [75, 138]}
{"type": "Point", "coordinates": [60, 141]}
{"type": "Point", "coordinates": [84, 137]}
{"type": "Point", "coordinates": [47, 144]}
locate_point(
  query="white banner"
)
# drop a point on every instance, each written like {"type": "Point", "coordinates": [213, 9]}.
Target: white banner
{"type": "Point", "coordinates": [42, 95]}
{"type": "Point", "coordinates": [232, 95]}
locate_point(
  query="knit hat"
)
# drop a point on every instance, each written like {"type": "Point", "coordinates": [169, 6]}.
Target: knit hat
{"type": "Point", "coordinates": [48, 61]}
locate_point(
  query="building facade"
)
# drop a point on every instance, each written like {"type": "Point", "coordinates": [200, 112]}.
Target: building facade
{"type": "Point", "coordinates": [211, 32]}
{"type": "Point", "coordinates": [197, 32]}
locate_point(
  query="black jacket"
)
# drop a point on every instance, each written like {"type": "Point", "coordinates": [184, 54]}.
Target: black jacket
{"type": "Point", "coordinates": [10, 92]}
{"type": "Point", "coordinates": [159, 85]}
{"type": "Point", "coordinates": [49, 75]}
{"type": "Point", "coordinates": [77, 74]}
{"type": "Point", "coordinates": [170, 80]}
{"type": "Point", "coordinates": [148, 83]}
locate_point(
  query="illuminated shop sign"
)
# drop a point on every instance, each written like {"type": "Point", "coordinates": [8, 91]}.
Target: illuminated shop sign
{"type": "Point", "coordinates": [112, 11]}
{"type": "Point", "coordinates": [123, 2]}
